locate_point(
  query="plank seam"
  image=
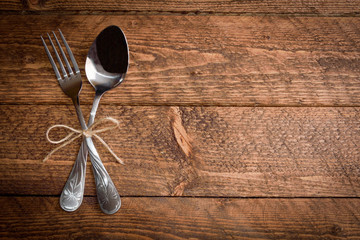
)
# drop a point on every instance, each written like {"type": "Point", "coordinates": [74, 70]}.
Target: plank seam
{"type": "Point", "coordinates": [169, 13]}
{"type": "Point", "coordinates": [186, 105]}
{"type": "Point", "coordinates": [219, 197]}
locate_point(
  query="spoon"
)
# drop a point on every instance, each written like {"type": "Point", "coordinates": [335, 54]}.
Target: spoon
{"type": "Point", "coordinates": [107, 63]}
{"type": "Point", "coordinates": [106, 66]}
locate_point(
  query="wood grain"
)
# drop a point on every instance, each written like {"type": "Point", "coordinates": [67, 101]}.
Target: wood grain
{"type": "Point", "coordinates": [239, 120]}
{"type": "Point", "coordinates": [190, 6]}
{"type": "Point", "coordinates": [195, 60]}
{"type": "Point", "coordinates": [182, 218]}
{"type": "Point", "coordinates": [192, 151]}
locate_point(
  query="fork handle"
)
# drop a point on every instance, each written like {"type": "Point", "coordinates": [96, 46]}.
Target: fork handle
{"type": "Point", "coordinates": [107, 194]}
{"type": "Point", "coordinates": [73, 192]}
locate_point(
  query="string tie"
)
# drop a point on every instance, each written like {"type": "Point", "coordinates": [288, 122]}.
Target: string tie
{"type": "Point", "coordinates": [90, 132]}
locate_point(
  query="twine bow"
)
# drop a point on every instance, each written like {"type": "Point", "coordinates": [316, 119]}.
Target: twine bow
{"type": "Point", "coordinates": [90, 132]}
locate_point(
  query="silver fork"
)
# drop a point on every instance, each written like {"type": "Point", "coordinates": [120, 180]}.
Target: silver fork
{"type": "Point", "coordinates": [73, 192]}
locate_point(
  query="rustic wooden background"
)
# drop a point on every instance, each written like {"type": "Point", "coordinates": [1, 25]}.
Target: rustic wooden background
{"type": "Point", "coordinates": [239, 119]}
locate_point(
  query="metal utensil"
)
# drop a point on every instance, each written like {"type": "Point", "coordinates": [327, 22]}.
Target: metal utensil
{"type": "Point", "coordinates": [106, 66]}
{"type": "Point", "coordinates": [107, 63]}
{"type": "Point", "coordinates": [72, 194]}
{"type": "Point", "coordinates": [71, 84]}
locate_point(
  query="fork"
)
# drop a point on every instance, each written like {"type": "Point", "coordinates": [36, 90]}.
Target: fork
{"type": "Point", "coordinates": [73, 192]}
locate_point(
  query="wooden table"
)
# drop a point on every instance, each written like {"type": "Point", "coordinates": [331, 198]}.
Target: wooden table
{"type": "Point", "coordinates": [239, 119]}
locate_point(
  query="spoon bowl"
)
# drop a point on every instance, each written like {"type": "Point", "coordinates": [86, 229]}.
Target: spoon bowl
{"type": "Point", "coordinates": [108, 60]}
{"type": "Point", "coordinates": [107, 63]}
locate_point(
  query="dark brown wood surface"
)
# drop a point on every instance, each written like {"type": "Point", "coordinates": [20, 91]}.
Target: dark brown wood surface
{"type": "Point", "coordinates": [183, 218]}
{"type": "Point", "coordinates": [195, 60]}
{"type": "Point", "coordinates": [238, 120]}
{"type": "Point", "coordinates": [349, 7]}
{"type": "Point", "coordinates": [193, 151]}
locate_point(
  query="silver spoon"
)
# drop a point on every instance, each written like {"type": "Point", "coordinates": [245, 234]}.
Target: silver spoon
{"type": "Point", "coordinates": [106, 66]}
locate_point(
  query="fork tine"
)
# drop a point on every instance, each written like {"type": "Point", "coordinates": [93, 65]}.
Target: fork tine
{"type": "Point", "coordinates": [51, 60]}
{"type": "Point", "coordinates": [76, 68]}
{"type": "Point", "coordinates": [63, 55]}
{"type": "Point", "coordinates": [58, 57]}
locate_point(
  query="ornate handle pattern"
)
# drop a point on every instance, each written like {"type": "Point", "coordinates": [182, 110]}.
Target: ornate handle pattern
{"type": "Point", "coordinates": [107, 194]}
{"type": "Point", "coordinates": [73, 192]}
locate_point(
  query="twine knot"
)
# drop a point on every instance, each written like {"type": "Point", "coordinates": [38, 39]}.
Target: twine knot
{"type": "Point", "coordinates": [87, 133]}
{"type": "Point", "coordinates": [90, 132]}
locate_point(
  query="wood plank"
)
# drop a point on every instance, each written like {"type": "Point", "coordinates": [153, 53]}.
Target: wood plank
{"type": "Point", "coordinates": [192, 151]}
{"type": "Point", "coordinates": [197, 6]}
{"type": "Point", "coordinates": [201, 60]}
{"type": "Point", "coordinates": [183, 218]}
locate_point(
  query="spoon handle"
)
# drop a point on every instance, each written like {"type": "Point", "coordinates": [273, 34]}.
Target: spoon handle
{"type": "Point", "coordinates": [107, 194]}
